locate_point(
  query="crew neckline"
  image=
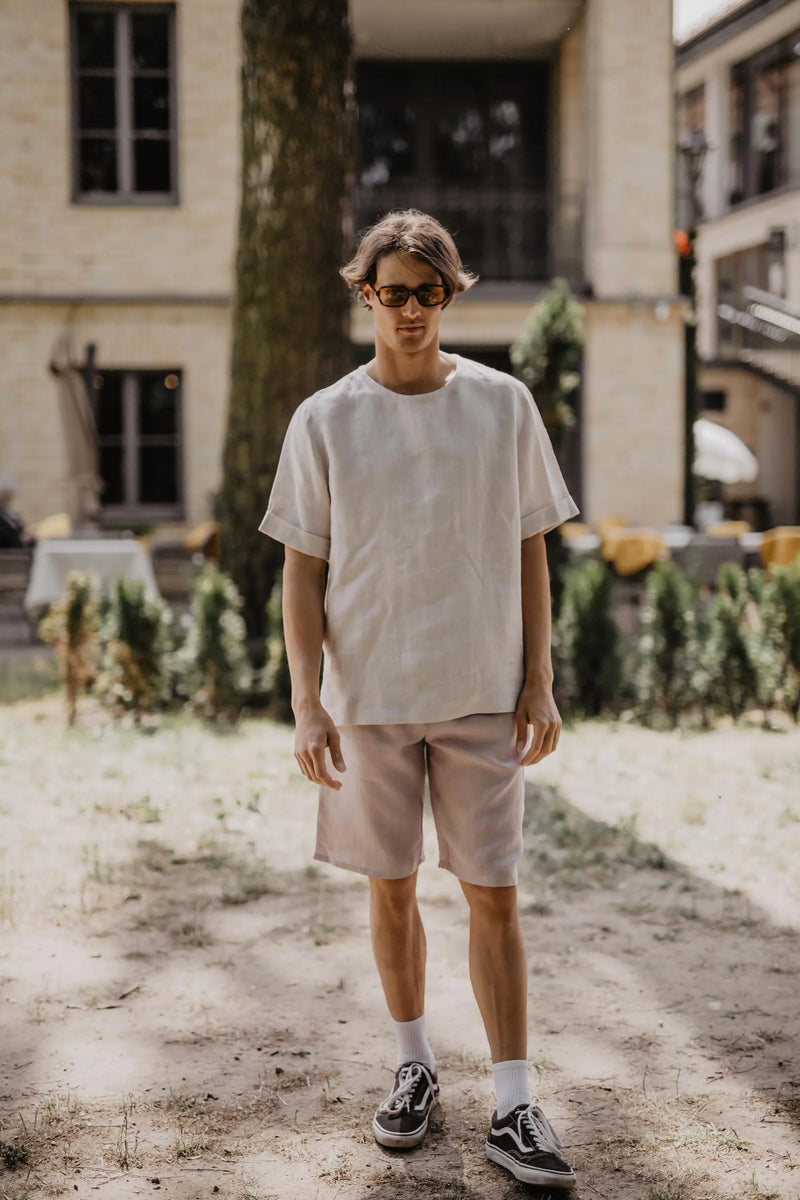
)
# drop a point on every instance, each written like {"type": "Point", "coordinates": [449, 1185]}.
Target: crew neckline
{"type": "Point", "coordinates": [414, 395]}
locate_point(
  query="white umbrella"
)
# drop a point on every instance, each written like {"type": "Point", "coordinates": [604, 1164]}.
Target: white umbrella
{"type": "Point", "coordinates": [720, 454]}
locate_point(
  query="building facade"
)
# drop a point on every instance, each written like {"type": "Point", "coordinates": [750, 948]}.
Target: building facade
{"type": "Point", "coordinates": [540, 131]}
{"type": "Point", "coordinates": [738, 82]}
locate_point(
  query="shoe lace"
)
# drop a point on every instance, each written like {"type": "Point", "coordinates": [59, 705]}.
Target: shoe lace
{"type": "Point", "coordinates": [407, 1079]}
{"type": "Point", "coordinates": [541, 1133]}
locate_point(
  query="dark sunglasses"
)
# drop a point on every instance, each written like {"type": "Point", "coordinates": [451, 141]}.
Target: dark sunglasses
{"type": "Point", "coordinates": [429, 295]}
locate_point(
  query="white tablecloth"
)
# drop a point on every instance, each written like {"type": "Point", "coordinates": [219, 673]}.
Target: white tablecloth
{"type": "Point", "coordinates": [106, 558]}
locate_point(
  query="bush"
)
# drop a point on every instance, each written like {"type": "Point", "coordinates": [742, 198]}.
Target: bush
{"type": "Point", "coordinates": [780, 611]}
{"type": "Point", "coordinates": [667, 646]}
{"type": "Point", "coordinates": [215, 672]}
{"type": "Point", "coordinates": [587, 640]}
{"type": "Point", "coordinates": [71, 626]}
{"type": "Point", "coordinates": [276, 673]}
{"type": "Point", "coordinates": [729, 657]}
{"type": "Point", "coordinates": [137, 639]}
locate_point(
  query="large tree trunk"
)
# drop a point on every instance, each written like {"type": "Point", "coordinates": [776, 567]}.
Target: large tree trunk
{"type": "Point", "coordinates": [290, 315]}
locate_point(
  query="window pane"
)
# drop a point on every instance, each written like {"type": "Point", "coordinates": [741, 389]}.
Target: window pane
{"type": "Point", "coordinates": [460, 144]}
{"type": "Point", "coordinates": [97, 102]}
{"type": "Point", "coordinates": [151, 164]}
{"type": "Point", "coordinates": [96, 39]}
{"type": "Point", "coordinates": [151, 103]}
{"type": "Point", "coordinates": [156, 405]}
{"type": "Point", "coordinates": [111, 473]}
{"type": "Point", "coordinates": [150, 40]}
{"type": "Point", "coordinates": [765, 129]}
{"type": "Point", "coordinates": [109, 407]}
{"type": "Point", "coordinates": [157, 476]}
{"type": "Point", "coordinates": [98, 164]}
{"type": "Point", "coordinates": [386, 143]}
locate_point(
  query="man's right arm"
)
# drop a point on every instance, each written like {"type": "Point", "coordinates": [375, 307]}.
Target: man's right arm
{"type": "Point", "coordinates": [303, 627]}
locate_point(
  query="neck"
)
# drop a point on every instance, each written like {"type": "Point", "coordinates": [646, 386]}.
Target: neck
{"type": "Point", "coordinates": [410, 374]}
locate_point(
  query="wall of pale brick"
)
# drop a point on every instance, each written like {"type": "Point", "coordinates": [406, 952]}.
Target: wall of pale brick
{"type": "Point", "coordinates": [632, 413]}
{"type": "Point", "coordinates": [629, 127]}
{"type": "Point", "coordinates": [192, 338]}
{"type": "Point", "coordinates": [52, 245]}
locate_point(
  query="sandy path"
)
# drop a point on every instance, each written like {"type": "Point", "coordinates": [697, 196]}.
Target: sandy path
{"type": "Point", "coordinates": [185, 1000]}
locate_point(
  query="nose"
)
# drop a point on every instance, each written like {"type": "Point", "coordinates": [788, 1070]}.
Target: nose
{"type": "Point", "coordinates": [412, 306]}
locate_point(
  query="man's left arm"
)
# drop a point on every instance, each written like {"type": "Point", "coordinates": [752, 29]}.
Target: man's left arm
{"type": "Point", "coordinates": [536, 705]}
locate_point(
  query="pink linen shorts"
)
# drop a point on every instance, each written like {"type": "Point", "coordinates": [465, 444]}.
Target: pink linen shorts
{"type": "Point", "coordinates": [373, 824]}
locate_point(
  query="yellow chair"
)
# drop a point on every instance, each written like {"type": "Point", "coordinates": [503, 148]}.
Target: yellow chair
{"type": "Point", "coordinates": [781, 545]}
{"type": "Point", "coordinates": [57, 525]}
{"type": "Point", "coordinates": [204, 539]}
{"type": "Point", "coordinates": [729, 529]}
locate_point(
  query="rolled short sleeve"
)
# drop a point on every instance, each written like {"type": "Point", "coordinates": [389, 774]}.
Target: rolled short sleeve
{"type": "Point", "coordinates": [543, 497]}
{"type": "Point", "coordinates": [299, 509]}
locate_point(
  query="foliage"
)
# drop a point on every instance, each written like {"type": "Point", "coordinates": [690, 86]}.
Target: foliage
{"type": "Point", "coordinates": [546, 356]}
{"type": "Point", "coordinates": [71, 626]}
{"type": "Point", "coordinates": [780, 609]}
{"type": "Point", "coordinates": [667, 646]}
{"type": "Point", "coordinates": [137, 638]}
{"type": "Point", "coordinates": [588, 653]}
{"type": "Point", "coordinates": [277, 678]}
{"type": "Point", "coordinates": [729, 656]}
{"type": "Point", "coordinates": [214, 671]}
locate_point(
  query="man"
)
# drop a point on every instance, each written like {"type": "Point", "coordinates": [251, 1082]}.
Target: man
{"type": "Point", "coordinates": [424, 483]}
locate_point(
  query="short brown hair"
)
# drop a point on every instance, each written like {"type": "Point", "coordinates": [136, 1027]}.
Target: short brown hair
{"type": "Point", "coordinates": [407, 231]}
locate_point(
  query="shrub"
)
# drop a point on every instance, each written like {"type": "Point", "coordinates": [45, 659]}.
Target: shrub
{"type": "Point", "coordinates": [780, 610]}
{"type": "Point", "coordinates": [276, 673]}
{"type": "Point", "coordinates": [729, 660]}
{"type": "Point", "coordinates": [547, 354]}
{"type": "Point", "coordinates": [137, 638]}
{"type": "Point", "coordinates": [667, 644]}
{"type": "Point", "coordinates": [215, 671]}
{"type": "Point", "coordinates": [71, 626]}
{"type": "Point", "coordinates": [587, 639]}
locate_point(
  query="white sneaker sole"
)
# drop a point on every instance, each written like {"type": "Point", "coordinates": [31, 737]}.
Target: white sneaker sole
{"type": "Point", "coordinates": [529, 1174]}
{"type": "Point", "coordinates": [398, 1141]}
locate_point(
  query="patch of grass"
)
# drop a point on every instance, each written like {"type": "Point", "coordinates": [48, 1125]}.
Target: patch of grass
{"type": "Point", "coordinates": [25, 677]}
{"type": "Point", "coordinates": [14, 1156]}
{"type": "Point", "coordinates": [126, 1150]}
{"type": "Point", "coordinates": [142, 810]}
{"type": "Point", "coordinates": [190, 1143]}
{"type": "Point", "coordinates": [668, 1190]}
{"type": "Point", "coordinates": [576, 850]}
{"type": "Point", "coordinates": [250, 883]}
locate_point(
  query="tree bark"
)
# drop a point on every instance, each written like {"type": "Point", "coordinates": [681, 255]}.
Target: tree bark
{"type": "Point", "coordinates": [291, 310]}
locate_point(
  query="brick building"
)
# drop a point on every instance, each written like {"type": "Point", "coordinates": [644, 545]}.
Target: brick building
{"type": "Point", "coordinates": [738, 85]}
{"type": "Point", "coordinates": [543, 134]}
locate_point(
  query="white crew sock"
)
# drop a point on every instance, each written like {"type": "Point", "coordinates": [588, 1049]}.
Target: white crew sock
{"type": "Point", "coordinates": [511, 1084]}
{"type": "Point", "coordinates": [412, 1043]}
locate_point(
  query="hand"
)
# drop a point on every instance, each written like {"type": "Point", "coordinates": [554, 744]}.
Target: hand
{"type": "Point", "coordinates": [536, 707]}
{"type": "Point", "coordinates": [314, 731]}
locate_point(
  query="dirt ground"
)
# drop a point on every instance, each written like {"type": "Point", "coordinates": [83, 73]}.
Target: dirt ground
{"type": "Point", "coordinates": [188, 1006]}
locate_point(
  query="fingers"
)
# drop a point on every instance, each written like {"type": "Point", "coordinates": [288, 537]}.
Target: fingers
{"type": "Point", "coordinates": [521, 726]}
{"type": "Point", "coordinates": [314, 766]}
{"type": "Point", "coordinates": [545, 741]}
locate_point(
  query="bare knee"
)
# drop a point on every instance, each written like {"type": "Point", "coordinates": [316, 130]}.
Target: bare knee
{"type": "Point", "coordinates": [493, 905]}
{"type": "Point", "coordinates": [394, 899]}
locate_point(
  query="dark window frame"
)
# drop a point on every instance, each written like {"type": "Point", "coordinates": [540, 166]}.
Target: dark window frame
{"type": "Point", "coordinates": [748, 175]}
{"type": "Point", "coordinates": [130, 439]}
{"type": "Point", "coordinates": [125, 195]}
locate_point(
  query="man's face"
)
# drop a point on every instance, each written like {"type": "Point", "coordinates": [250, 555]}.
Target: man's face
{"type": "Point", "coordinates": [412, 327]}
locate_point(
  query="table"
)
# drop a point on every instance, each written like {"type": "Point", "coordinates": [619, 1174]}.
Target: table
{"type": "Point", "coordinates": [104, 557]}
{"type": "Point", "coordinates": [781, 545]}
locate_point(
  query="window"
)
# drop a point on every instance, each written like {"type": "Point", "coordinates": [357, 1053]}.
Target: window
{"type": "Point", "coordinates": [138, 416]}
{"type": "Point", "coordinates": [713, 401]}
{"type": "Point", "coordinates": [691, 117]}
{"type": "Point", "coordinates": [123, 103]}
{"type": "Point", "coordinates": [765, 121]}
{"type": "Point", "coordinates": [467, 142]}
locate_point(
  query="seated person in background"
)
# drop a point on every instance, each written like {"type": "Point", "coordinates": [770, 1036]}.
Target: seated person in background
{"type": "Point", "coordinates": [12, 529]}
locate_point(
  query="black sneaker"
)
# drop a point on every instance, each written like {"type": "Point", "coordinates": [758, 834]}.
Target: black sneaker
{"type": "Point", "coordinates": [402, 1118]}
{"type": "Point", "coordinates": [525, 1143]}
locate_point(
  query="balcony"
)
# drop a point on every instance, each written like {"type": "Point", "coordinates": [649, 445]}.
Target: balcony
{"type": "Point", "coordinates": [761, 331]}
{"type": "Point", "coordinates": [503, 234]}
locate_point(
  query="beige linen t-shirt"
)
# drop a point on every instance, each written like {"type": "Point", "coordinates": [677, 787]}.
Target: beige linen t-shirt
{"type": "Point", "coordinates": [419, 504]}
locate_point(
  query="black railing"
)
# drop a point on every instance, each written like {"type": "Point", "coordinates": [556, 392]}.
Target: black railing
{"type": "Point", "coordinates": [515, 234]}
{"type": "Point", "coordinates": [761, 330]}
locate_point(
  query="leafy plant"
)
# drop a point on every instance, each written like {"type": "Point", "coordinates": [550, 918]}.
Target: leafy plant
{"type": "Point", "coordinates": [780, 612]}
{"type": "Point", "coordinates": [277, 678]}
{"type": "Point", "coordinates": [546, 356]}
{"type": "Point", "coordinates": [587, 641]}
{"type": "Point", "coordinates": [136, 637]}
{"type": "Point", "coordinates": [216, 672]}
{"type": "Point", "coordinates": [71, 627]}
{"type": "Point", "coordinates": [667, 644]}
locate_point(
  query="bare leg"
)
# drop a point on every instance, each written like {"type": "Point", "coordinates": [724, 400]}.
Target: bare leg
{"type": "Point", "coordinates": [497, 968]}
{"type": "Point", "coordinates": [398, 943]}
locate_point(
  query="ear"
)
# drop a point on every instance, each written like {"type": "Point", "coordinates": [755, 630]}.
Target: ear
{"type": "Point", "coordinates": [366, 294]}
